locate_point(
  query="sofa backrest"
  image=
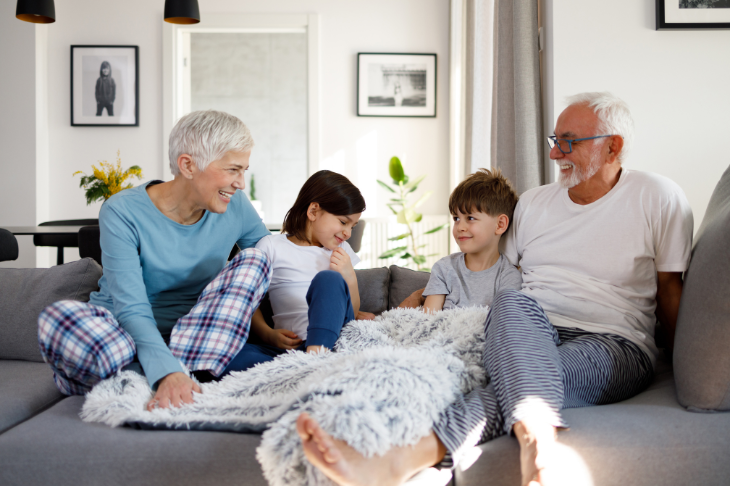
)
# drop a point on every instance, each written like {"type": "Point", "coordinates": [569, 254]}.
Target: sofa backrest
{"type": "Point", "coordinates": [702, 343]}
{"type": "Point", "coordinates": [25, 292]}
{"type": "Point", "coordinates": [403, 282]}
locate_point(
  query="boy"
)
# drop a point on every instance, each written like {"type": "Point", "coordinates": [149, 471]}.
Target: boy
{"type": "Point", "coordinates": [482, 207]}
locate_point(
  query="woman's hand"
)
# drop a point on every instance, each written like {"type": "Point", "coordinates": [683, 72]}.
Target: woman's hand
{"type": "Point", "coordinates": [174, 390]}
{"type": "Point", "coordinates": [340, 262]}
{"type": "Point", "coordinates": [283, 339]}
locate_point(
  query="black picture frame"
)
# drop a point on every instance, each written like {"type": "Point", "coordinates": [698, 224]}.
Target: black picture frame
{"type": "Point", "coordinates": [416, 100]}
{"type": "Point", "coordinates": [668, 17]}
{"type": "Point", "coordinates": [104, 100]}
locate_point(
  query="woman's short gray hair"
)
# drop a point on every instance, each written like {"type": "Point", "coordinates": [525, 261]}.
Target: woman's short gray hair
{"type": "Point", "coordinates": [207, 136]}
{"type": "Point", "coordinates": [613, 114]}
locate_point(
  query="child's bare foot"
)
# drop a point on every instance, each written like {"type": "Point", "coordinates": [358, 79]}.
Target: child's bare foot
{"type": "Point", "coordinates": [537, 453]}
{"type": "Point", "coordinates": [347, 467]}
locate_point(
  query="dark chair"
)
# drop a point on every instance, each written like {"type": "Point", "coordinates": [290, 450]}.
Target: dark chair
{"type": "Point", "coordinates": [62, 241]}
{"type": "Point", "coordinates": [89, 245]}
{"type": "Point", "coordinates": [8, 246]}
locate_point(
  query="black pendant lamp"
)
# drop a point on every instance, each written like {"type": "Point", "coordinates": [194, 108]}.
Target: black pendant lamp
{"type": "Point", "coordinates": [182, 11]}
{"type": "Point", "coordinates": [36, 11]}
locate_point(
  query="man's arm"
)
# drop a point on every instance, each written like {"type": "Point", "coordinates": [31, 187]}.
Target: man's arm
{"type": "Point", "coordinates": [416, 299]}
{"type": "Point", "coordinates": [668, 294]}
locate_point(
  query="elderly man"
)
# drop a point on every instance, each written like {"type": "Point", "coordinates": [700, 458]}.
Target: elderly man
{"type": "Point", "coordinates": [601, 251]}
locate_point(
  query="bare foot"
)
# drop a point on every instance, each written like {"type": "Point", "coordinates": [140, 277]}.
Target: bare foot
{"type": "Point", "coordinates": [343, 464]}
{"type": "Point", "coordinates": [537, 452]}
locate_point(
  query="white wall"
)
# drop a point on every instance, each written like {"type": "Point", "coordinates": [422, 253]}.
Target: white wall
{"type": "Point", "coordinates": [359, 147]}
{"type": "Point", "coordinates": [677, 84]}
{"type": "Point", "coordinates": [17, 129]}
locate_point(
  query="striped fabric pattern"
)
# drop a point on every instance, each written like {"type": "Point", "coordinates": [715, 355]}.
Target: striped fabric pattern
{"type": "Point", "coordinates": [85, 344]}
{"type": "Point", "coordinates": [537, 369]}
{"type": "Point", "coordinates": [217, 327]}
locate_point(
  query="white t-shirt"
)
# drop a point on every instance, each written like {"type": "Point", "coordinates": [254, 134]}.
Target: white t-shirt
{"type": "Point", "coordinates": [594, 267]}
{"type": "Point", "coordinates": [294, 267]}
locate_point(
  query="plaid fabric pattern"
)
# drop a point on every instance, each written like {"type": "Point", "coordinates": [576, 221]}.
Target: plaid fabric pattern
{"type": "Point", "coordinates": [217, 327]}
{"type": "Point", "coordinates": [83, 344]}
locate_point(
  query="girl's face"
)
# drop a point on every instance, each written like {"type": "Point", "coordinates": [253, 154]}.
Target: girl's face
{"type": "Point", "coordinates": [328, 230]}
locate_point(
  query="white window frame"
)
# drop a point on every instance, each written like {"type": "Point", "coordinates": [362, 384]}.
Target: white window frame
{"type": "Point", "coordinates": [176, 42]}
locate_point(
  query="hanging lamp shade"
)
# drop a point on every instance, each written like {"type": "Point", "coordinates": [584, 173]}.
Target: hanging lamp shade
{"type": "Point", "coordinates": [36, 11]}
{"type": "Point", "coordinates": [182, 11]}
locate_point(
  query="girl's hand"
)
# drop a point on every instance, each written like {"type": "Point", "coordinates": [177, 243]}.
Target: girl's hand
{"type": "Point", "coordinates": [340, 262]}
{"type": "Point", "coordinates": [283, 339]}
{"type": "Point", "coordinates": [174, 390]}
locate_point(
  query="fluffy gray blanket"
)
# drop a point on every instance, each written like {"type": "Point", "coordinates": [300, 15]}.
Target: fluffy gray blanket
{"type": "Point", "coordinates": [385, 386]}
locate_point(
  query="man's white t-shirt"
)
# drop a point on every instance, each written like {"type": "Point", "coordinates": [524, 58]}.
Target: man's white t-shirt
{"type": "Point", "coordinates": [294, 267]}
{"type": "Point", "coordinates": [594, 267]}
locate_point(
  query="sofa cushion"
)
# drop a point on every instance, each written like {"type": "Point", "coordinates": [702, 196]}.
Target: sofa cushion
{"type": "Point", "coordinates": [56, 447]}
{"type": "Point", "coordinates": [25, 292]}
{"type": "Point", "coordinates": [25, 390]}
{"type": "Point", "coordinates": [373, 286]}
{"type": "Point", "coordinates": [701, 357]}
{"type": "Point", "coordinates": [403, 282]}
{"type": "Point", "coordinates": [646, 440]}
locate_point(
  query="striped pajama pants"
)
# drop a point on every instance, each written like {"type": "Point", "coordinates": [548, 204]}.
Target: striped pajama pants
{"type": "Point", "coordinates": [537, 369]}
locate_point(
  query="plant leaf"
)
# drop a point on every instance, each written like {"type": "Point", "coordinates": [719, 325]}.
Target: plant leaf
{"type": "Point", "coordinates": [419, 259]}
{"type": "Point", "coordinates": [436, 229]}
{"type": "Point", "coordinates": [422, 199]}
{"type": "Point", "coordinates": [406, 256]}
{"type": "Point", "coordinates": [406, 216]}
{"type": "Point", "coordinates": [391, 208]}
{"type": "Point", "coordinates": [383, 184]}
{"type": "Point", "coordinates": [418, 218]}
{"type": "Point", "coordinates": [393, 252]}
{"type": "Point", "coordinates": [413, 185]}
{"type": "Point", "coordinates": [395, 169]}
{"type": "Point", "coordinates": [399, 237]}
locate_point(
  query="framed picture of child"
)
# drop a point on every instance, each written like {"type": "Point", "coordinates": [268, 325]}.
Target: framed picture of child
{"type": "Point", "coordinates": [692, 14]}
{"type": "Point", "coordinates": [105, 86]}
{"type": "Point", "coordinates": [396, 84]}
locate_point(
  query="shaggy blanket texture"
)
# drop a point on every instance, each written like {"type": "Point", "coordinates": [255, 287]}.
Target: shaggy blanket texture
{"type": "Point", "coordinates": [385, 386]}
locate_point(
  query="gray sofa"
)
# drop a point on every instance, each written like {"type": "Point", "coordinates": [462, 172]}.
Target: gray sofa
{"type": "Point", "coordinates": [647, 440]}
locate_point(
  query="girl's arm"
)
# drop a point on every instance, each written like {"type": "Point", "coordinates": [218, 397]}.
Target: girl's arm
{"type": "Point", "coordinates": [341, 263]}
{"type": "Point", "coordinates": [280, 338]}
{"type": "Point", "coordinates": [434, 303]}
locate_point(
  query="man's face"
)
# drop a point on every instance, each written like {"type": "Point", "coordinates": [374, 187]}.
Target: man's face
{"type": "Point", "coordinates": [587, 157]}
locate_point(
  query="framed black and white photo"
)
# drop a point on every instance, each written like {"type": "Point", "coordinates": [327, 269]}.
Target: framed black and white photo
{"type": "Point", "coordinates": [692, 14]}
{"type": "Point", "coordinates": [396, 84]}
{"type": "Point", "coordinates": [105, 86]}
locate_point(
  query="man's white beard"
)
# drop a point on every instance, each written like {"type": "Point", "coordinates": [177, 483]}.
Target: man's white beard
{"type": "Point", "coordinates": [578, 175]}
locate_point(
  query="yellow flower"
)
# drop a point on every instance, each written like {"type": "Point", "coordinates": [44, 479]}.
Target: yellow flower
{"type": "Point", "coordinates": [107, 179]}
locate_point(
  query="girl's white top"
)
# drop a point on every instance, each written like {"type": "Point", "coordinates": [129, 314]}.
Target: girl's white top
{"type": "Point", "coordinates": [294, 267]}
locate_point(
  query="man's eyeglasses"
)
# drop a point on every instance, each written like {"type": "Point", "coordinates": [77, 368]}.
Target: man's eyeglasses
{"type": "Point", "coordinates": [566, 145]}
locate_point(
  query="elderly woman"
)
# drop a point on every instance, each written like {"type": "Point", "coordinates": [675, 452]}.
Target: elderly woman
{"type": "Point", "coordinates": [167, 298]}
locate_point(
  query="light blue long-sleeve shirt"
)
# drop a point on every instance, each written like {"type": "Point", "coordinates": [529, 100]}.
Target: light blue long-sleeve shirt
{"type": "Point", "coordinates": [155, 268]}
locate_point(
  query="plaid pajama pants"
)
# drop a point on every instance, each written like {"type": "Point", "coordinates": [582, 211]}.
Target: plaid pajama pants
{"type": "Point", "coordinates": [84, 343]}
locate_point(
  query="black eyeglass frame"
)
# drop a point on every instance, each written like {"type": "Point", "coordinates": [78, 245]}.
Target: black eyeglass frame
{"type": "Point", "coordinates": [553, 140]}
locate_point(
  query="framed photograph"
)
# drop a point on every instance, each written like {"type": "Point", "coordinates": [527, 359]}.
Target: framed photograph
{"type": "Point", "coordinates": [692, 14]}
{"type": "Point", "coordinates": [396, 84]}
{"type": "Point", "coordinates": [104, 86]}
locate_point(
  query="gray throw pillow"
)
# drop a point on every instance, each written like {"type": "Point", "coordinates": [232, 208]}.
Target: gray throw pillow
{"type": "Point", "coordinates": [701, 357]}
{"type": "Point", "coordinates": [25, 292]}
{"type": "Point", "coordinates": [373, 287]}
{"type": "Point", "coordinates": [403, 282]}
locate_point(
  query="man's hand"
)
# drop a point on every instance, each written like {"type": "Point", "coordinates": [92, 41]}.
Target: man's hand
{"type": "Point", "coordinates": [414, 300]}
{"type": "Point", "coordinates": [283, 339]}
{"type": "Point", "coordinates": [174, 390]}
{"type": "Point", "coordinates": [340, 262]}
{"type": "Point", "coordinates": [364, 316]}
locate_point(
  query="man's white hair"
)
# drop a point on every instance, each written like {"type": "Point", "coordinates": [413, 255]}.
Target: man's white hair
{"type": "Point", "coordinates": [613, 115]}
{"type": "Point", "coordinates": [207, 136]}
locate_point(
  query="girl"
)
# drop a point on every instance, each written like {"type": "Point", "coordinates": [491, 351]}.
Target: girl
{"type": "Point", "coordinates": [313, 289]}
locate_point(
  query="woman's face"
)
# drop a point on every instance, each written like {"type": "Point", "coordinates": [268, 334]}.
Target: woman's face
{"type": "Point", "coordinates": [329, 230]}
{"type": "Point", "coordinates": [214, 187]}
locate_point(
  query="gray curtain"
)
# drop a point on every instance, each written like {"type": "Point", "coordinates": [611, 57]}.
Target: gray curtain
{"type": "Point", "coordinates": [513, 122]}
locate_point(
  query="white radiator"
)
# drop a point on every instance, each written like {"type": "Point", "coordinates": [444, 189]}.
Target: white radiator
{"type": "Point", "coordinates": [378, 230]}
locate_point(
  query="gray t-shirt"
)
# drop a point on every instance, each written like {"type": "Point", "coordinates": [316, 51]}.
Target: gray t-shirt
{"type": "Point", "coordinates": [464, 288]}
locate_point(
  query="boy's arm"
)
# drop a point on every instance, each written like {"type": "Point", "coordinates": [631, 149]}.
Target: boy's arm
{"type": "Point", "coordinates": [434, 303]}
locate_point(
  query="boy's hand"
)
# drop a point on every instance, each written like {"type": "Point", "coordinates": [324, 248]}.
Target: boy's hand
{"type": "Point", "coordinates": [340, 262]}
{"type": "Point", "coordinates": [364, 316]}
{"type": "Point", "coordinates": [283, 339]}
{"type": "Point", "coordinates": [174, 390]}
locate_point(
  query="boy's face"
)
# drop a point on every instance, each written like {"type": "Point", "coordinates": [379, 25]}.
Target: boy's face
{"type": "Point", "coordinates": [105, 71]}
{"type": "Point", "coordinates": [475, 232]}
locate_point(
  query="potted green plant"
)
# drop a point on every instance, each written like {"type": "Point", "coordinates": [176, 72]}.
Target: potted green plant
{"type": "Point", "coordinates": [406, 214]}
{"type": "Point", "coordinates": [107, 179]}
